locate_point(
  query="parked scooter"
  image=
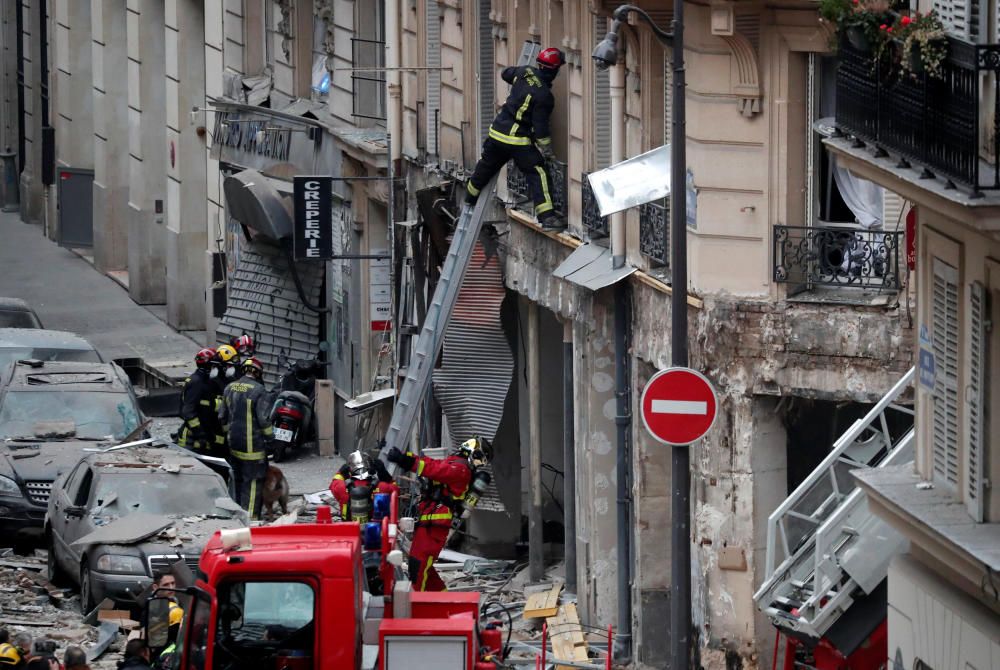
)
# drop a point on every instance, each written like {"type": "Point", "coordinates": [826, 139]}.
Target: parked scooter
{"type": "Point", "coordinates": [292, 411]}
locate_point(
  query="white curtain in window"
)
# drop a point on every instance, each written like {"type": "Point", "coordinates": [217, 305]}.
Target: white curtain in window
{"type": "Point", "coordinates": [863, 197]}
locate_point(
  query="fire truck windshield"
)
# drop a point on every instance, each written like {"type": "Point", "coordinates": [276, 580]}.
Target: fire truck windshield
{"type": "Point", "coordinates": [266, 614]}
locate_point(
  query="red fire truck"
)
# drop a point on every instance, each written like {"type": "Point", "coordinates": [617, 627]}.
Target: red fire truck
{"type": "Point", "coordinates": [295, 597]}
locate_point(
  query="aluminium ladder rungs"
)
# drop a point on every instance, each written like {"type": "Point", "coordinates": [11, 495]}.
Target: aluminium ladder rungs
{"type": "Point", "coordinates": [421, 367]}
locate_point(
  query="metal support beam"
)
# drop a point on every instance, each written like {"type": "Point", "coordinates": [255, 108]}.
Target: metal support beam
{"type": "Point", "coordinates": [569, 461]}
{"type": "Point", "coordinates": [536, 557]}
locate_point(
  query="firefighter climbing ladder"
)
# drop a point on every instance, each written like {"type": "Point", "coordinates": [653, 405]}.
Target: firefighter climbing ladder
{"type": "Point", "coordinates": [832, 549]}
{"type": "Point", "coordinates": [418, 374]}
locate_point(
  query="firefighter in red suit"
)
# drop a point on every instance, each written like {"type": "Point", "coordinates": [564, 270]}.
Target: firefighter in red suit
{"type": "Point", "coordinates": [446, 482]}
{"type": "Point", "coordinates": [355, 471]}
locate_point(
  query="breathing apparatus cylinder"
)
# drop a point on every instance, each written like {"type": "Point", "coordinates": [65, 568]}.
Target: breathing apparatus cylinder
{"type": "Point", "coordinates": [359, 508]}
{"type": "Point", "coordinates": [477, 488]}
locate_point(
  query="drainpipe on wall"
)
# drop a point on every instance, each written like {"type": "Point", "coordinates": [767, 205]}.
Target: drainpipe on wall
{"type": "Point", "coordinates": [394, 113]}
{"type": "Point", "coordinates": [623, 638]}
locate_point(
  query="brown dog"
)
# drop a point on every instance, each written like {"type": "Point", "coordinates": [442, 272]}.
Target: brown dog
{"type": "Point", "coordinates": [275, 491]}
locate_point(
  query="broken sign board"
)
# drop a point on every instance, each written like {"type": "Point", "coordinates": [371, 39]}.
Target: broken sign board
{"type": "Point", "coordinates": [632, 182]}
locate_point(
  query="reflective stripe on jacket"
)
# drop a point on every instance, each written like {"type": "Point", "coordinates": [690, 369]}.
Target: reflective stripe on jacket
{"type": "Point", "coordinates": [245, 411]}
{"type": "Point", "coordinates": [524, 117]}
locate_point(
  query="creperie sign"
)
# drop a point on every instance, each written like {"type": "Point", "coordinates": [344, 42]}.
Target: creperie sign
{"type": "Point", "coordinates": [313, 217]}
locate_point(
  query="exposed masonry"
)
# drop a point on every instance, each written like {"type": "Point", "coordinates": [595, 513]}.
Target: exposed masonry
{"type": "Point", "coordinates": [752, 350]}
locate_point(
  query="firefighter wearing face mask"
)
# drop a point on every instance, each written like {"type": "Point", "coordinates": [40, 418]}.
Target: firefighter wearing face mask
{"type": "Point", "coordinates": [444, 500]}
{"type": "Point", "coordinates": [201, 430]}
{"type": "Point", "coordinates": [228, 361]}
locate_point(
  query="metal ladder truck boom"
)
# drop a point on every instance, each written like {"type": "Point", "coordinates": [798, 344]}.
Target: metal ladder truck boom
{"type": "Point", "coordinates": [827, 553]}
{"type": "Point", "coordinates": [418, 374]}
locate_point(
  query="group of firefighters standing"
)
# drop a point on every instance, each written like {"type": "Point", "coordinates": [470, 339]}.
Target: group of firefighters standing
{"type": "Point", "coordinates": [226, 413]}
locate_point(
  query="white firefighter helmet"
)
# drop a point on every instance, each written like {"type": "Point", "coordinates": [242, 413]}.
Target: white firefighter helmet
{"type": "Point", "coordinates": [358, 464]}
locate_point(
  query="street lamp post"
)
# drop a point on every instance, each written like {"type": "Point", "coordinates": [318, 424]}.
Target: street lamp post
{"type": "Point", "coordinates": [605, 55]}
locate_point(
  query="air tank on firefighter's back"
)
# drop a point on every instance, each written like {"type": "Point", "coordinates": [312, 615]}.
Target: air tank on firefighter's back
{"type": "Point", "coordinates": [360, 506]}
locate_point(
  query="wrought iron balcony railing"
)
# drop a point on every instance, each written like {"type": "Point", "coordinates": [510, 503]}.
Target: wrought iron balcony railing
{"type": "Point", "coordinates": [654, 231]}
{"type": "Point", "coordinates": [594, 224]}
{"type": "Point", "coordinates": [933, 122]}
{"type": "Point", "coordinates": [810, 256]}
{"type": "Point", "coordinates": [517, 186]}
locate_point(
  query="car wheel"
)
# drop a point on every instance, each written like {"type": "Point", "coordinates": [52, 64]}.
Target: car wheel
{"type": "Point", "coordinates": [56, 574]}
{"type": "Point", "coordinates": [86, 589]}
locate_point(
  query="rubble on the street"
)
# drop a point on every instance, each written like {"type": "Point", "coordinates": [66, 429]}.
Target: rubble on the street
{"type": "Point", "coordinates": [29, 603]}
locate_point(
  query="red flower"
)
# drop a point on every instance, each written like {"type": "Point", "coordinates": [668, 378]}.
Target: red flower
{"type": "Point", "coordinates": [906, 20]}
{"type": "Point", "coordinates": [883, 27]}
{"type": "Point", "coordinates": [888, 30]}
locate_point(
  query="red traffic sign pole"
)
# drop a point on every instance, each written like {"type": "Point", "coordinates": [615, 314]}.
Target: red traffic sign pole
{"type": "Point", "coordinates": [679, 406]}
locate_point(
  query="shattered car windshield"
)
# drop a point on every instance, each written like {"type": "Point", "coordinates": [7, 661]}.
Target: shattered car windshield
{"type": "Point", "coordinates": [67, 414]}
{"type": "Point", "coordinates": [161, 493]}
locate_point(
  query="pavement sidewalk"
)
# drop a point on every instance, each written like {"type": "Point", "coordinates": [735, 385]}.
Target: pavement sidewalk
{"type": "Point", "coordinates": [69, 294]}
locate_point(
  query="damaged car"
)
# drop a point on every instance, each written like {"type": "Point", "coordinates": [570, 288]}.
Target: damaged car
{"type": "Point", "coordinates": [49, 413]}
{"type": "Point", "coordinates": [122, 515]}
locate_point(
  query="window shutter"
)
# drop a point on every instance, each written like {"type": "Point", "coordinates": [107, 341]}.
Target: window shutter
{"type": "Point", "coordinates": [892, 210]}
{"type": "Point", "coordinates": [602, 104]}
{"type": "Point", "coordinates": [975, 399]}
{"type": "Point", "coordinates": [966, 19]}
{"type": "Point", "coordinates": [668, 92]}
{"type": "Point", "coordinates": [944, 322]}
{"type": "Point", "coordinates": [487, 69]}
{"type": "Point", "coordinates": [432, 22]}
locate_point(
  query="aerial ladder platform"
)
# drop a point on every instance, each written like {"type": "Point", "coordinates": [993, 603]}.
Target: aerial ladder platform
{"type": "Point", "coordinates": [826, 553]}
{"type": "Point", "coordinates": [431, 337]}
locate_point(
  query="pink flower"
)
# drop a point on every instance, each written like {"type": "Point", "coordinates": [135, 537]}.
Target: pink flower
{"type": "Point", "coordinates": [883, 27]}
{"type": "Point", "coordinates": [906, 20]}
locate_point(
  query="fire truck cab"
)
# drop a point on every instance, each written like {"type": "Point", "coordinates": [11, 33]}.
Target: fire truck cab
{"type": "Point", "coordinates": [294, 597]}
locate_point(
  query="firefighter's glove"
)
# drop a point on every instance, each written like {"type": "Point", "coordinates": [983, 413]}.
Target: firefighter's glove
{"type": "Point", "coordinates": [404, 461]}
{"type": "Point", "coordinates": [546, 150]}
{"type": "Point", "coordinates": [380, 471]}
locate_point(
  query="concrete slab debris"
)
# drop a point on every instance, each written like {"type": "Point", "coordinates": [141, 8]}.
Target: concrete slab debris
{"type": "Point", "coordinates": [127, 529]}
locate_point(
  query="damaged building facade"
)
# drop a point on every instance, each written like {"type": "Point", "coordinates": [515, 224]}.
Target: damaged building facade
{"type": "Point", "coordinates": [799, 299]}
{"type": "Point", "coordinates": [800, 304]}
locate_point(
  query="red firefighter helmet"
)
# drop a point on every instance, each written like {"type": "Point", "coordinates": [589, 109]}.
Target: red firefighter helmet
{"type": "Point", "coordinates": [204, 357]}
{"type": "Point", "coordinates": [243, 344]}
{"type": "Point", "coordinates": [551, 58]}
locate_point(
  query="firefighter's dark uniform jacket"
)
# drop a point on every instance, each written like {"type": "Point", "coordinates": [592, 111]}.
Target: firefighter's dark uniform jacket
{"type": "Point", "coordinates": [244, 411]}
{"type": "Point", "coordinates": [524, 117]}
{"type": "Point", "coordinates": [200, 398]}
{"type": "Point", "coordinates": [523, 123]}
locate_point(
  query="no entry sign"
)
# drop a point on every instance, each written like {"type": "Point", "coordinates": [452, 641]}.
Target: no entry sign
{"type": "Point", "coordinates": [678, 406]}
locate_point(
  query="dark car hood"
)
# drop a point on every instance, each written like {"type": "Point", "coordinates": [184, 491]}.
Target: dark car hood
{"type": "Point", "coordinates": [42, 461]}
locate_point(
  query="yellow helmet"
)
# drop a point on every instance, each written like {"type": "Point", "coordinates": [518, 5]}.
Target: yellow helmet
{"type": "Point", "coordinates": [9, 655]}
{"type": "Point", "coordinates": [226, 353]}
{"type": "Point", "coordinates": [176, 614]}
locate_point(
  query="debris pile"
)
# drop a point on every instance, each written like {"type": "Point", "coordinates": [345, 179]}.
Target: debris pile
{"type": "Point", "coordinates": [30, 604]}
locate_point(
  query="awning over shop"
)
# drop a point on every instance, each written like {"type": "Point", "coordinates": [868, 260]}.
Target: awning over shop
{"type": "Point", "coordinates": [590, 266]}
{"type": "Point", "coordinates": [255, 202]}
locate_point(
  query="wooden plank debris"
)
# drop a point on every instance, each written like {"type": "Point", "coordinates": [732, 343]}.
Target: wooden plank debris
{"type": "Point", "coordinates": [568, 642]}
{"type": "Point", "coordinates": [543, 604]}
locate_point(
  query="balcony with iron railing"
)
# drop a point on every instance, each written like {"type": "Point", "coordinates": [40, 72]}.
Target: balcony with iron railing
{"type": "Point", "coordinates": [594, 225]}
{"type": "Point", "coordinates": [944, 126]}
{"type": "Point", "coordinates": [807, 257]}
{"type": "Point", "coordinates": [654, 232]}
{"type": "Point", "coordinates": [520, 194]}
